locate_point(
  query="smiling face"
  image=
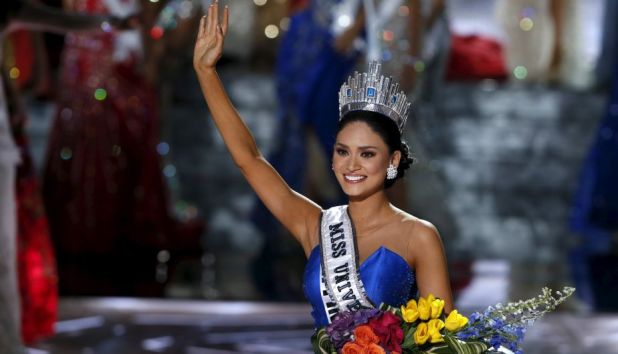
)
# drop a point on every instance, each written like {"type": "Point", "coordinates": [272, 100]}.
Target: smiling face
{"type": "Point", "coordinates": [360, 160]}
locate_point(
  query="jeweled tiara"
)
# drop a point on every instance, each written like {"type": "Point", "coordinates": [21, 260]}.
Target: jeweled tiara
{"type": "Point", "coordinates": [373, 92]}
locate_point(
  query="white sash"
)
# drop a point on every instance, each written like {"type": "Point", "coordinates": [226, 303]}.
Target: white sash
{"type": "Point", "coordinates": [341, 286]}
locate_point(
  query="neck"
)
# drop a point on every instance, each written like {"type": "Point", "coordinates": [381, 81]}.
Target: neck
{"type": "Point", "coordinates": [367, 211]}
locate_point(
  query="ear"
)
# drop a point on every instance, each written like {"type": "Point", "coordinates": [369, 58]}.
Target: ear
{"type": "Point", "coordinates": [396, 158]}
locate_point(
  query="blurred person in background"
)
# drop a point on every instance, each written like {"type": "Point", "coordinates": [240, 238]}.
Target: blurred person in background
{"type": "Point", "coordinates": [15, 14]}
{"type": "Point", "coordinates": [594, 217]}
{"type": "Point", "coordinates": [544, 41]}
{"type": "Point", "coordinates": [609, 47]}
{"type": "Point", "coordinates": [533, 36]}
{"type": "Point", "coordinates": [36, 265]}
{"type": "Point", "coordinates": [107, 202]}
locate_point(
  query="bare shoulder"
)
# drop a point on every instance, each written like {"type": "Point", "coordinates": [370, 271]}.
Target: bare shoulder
{"type": "Point", "coordinates": [416, 227]}
{"type": "Point", "coordinates": [420, 236]}
{"type": "Point", "coordinates": [425, 232]}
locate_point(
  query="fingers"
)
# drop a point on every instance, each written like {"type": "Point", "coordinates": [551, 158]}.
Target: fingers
{"type": "Point", "coordinates": [209, 20]}
{"type": "Point", "coordinates": [216, 5]}
{"type": "Point", "coordinates": [214, 14]}
{"type": "Point", "coordinates": [202, 28]}
{"type": "Point", "coordinates": [226, 16]}
{"type": "Point", "coordinates": [210, 23]}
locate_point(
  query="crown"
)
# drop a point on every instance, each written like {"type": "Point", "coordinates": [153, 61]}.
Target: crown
{"type": "Point", "coordinates": [373, 92]}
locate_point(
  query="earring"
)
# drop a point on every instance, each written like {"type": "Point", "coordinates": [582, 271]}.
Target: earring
{"type": "Point", "coordinates": [391, 172]}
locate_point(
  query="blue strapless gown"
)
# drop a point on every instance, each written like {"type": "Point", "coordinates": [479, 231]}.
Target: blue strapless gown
{"type": "Point", "coordinates": [386, 276]}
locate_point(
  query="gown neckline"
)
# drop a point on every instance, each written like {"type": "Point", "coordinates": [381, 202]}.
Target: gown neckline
{"type": "Point", "coordinates": [372, 255]}
{"type": "Point", "coordinates": [375, 252]}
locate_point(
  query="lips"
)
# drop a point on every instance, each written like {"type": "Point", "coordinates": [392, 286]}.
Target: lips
{"type": "Point", "coordinates": [354, 178]}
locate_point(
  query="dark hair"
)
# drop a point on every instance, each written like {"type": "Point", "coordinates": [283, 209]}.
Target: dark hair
{"type": "Point", "coordinates": [387, 129]}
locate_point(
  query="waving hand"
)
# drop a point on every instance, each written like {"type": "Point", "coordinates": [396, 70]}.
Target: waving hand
{"type": "Point", "coordinates": [297, 213]}
{"type": "Point", "coordinates": [210, 37]}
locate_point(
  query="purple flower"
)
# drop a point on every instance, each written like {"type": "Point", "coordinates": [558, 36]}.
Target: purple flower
{"type": "Point", "coordinates": [495, 341]}
{"type": "Point", "coordinates": [340, 330]}
{"type": "Point", "coordinates": [475, 317]}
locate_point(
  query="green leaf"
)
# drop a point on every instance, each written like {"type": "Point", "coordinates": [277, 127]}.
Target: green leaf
{"type": "Point", "coordinates": [408, 339]}
{"type": "Point", "coordinates": [321, 343]}
{"type": "Point", "coordinates": [461, 347]}
{"type": "Point", "coordinates": [440, 349]}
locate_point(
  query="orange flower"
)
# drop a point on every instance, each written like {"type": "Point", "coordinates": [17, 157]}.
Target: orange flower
{"type": "Point", "coordinates": [364, 336]}
{"type": "Point", "coordinates": [373, 349]}
{"type": "Point", "coordinates": [352, 348]}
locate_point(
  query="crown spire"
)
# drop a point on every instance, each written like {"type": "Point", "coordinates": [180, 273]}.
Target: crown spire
{"type": "Point", "coordinates": [372, 91]}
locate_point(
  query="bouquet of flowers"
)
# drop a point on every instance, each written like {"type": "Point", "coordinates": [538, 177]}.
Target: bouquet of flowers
{"type": "Point", "coordinates": [421, 327]}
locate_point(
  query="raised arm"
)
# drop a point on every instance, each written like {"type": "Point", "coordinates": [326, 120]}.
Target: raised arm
{"type": "Point", "coordinates": [297, 213]}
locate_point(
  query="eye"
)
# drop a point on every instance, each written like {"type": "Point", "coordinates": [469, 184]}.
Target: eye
{"type": "Point", "coordinates": [368, 154]}
{"type": "Point", "coordinates": [341, 152]}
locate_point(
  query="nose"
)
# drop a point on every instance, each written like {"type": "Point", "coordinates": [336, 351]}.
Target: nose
{"type": "Point", "coordinates": [352, 164]}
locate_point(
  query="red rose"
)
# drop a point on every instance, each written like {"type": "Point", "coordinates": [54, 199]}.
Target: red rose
{"type": "Point", "coordinates": [388, 328]}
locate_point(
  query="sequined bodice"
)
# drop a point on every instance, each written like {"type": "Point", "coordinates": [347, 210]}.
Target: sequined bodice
{"type": "Point", "coordinates": [386, 276]}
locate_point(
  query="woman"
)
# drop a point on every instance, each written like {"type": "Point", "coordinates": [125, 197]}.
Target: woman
{"type": "Point", "coordinates": [103, 186]}
{"type": "Point", "coordinates": [394, 252]}
{"type": "Point", "coordinates": [594, 215]}
{"type": "Point", "coordinates": [35, 247]}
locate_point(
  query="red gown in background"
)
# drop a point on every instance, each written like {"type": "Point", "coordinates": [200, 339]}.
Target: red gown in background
{"type": "Point", "coordinates": [103, 186]}
{"type": "Point", "coordinates": [38, 280]}
{"type": "Point", "coordinates": [36, 266]}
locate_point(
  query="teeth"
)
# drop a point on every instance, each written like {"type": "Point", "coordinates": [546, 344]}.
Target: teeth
{"type": "Point", "coordinates": [354, 178]}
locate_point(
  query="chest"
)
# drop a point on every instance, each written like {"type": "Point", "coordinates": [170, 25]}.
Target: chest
{"type": "Point", "coordinates": [370, 240]}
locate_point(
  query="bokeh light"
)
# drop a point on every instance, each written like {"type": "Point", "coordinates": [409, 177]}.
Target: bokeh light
{"type": "Point", "coordinates": [100, 94]}
{"type": "Point", "coordinates": [116, 150]}
{"type": "Point", "coordinates": [14, 73]}
{"type": "Point", "coordinates": [344, 21]}
{"type": "Point", "coordinates": [66, 153]}
{"type": "Point", "coordinates": [419, 66]}
{"type": "Point", "coordinates": [271, 31]}
{"type": "Point", "coordinates": [169, 171]}
{"type": "Point", "coordinates": [163, 148]}
{"type": "Point", "coordinates": [520, 72]}
{"type": "Point", "coordinates": [388, 36]}
{"type": "Point", "coordinates": [526, 24]}
{"type": "Point", "coordinates": [284, 24]}
{"type": "Point", "coordinates": [260, 2]}
{"type": "Point", "coordinates": [156, 32]}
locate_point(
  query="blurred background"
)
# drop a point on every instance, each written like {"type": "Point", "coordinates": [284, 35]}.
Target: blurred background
{"type": "Point", "coordinates": [137, 234]}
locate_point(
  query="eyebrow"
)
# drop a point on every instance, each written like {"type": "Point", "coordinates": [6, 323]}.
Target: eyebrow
{"type": "Point", "coordinates": [360, 147]}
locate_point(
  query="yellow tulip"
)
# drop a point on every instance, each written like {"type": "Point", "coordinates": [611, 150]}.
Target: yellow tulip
{"type": "Point", "coordinates": [421, 334]}
{"type": "Point", "coordinates": [433, 328]}
{"type": "Point", "coordinates": [455, 321]}
{"type": "Point", "coordinates": [436, 308]}
{"type": "Point", "coordinates": [424, 309]}
{"type": "Point", "coordinates": [410, 311]}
